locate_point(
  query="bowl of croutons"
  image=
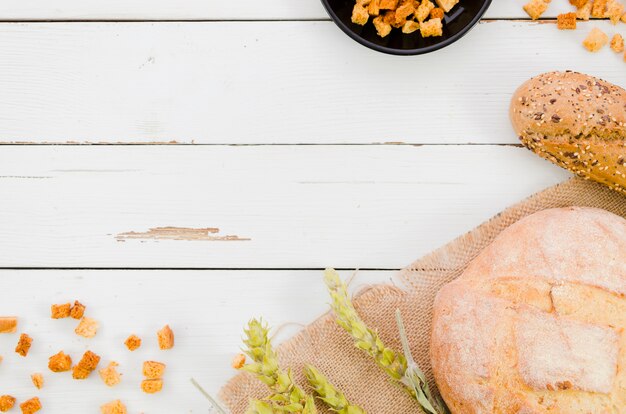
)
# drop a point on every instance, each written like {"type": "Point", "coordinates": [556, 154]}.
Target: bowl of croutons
{"type": "Point", "coordinates": [406, 27]}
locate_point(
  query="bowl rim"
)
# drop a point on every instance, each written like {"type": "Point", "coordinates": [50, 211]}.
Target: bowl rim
{"type": "Point", "coordinates": [405, 52]}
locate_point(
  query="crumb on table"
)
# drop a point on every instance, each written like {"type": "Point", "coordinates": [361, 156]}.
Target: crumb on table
{"type": "Point", "coordinates": [87, 327]}
{"type": "Point", "coordinates": [617, 43]}
{"type": "Point", "coordinates": [166, 337]}
{"type": "Point", "coordinates": [6, 403]}
{"type": "Point", "coordinates": [8, 324]}
{"type": "Point", "coordinates": [24, 344]}
{"type": "Point", "coordinates": [113, 407]}
{"type": "Point", "coordinates": [596, 39]}
{"type": "Point", "coordinates": [37, 380]}
{"type": "Point", "coordinates": [60, 311]}
{"type": "Point", "coordinates": [152, 386]}
{"type": "Point", "coordinates": [78, 310]}
{"type": "Point", "coordinates": [60, 362]}
{"type": "Point", "coordinates": [238, 361]}
{"type": "Point", "coordinates": [31, 406]}
{"type": "Point", "coordinates": [133, 342]}
{"type": "Point", "coordinates": [109, 375]}
{"type": "Point", "coordinates": [153, 369]}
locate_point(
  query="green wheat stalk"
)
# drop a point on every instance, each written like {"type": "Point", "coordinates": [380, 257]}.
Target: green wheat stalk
{"type": "Point", "coordinates": [328, 393]}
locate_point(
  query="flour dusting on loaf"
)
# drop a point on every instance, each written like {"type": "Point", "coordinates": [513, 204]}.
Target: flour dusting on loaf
{"type": "Point", "coordinates": [537, 322]}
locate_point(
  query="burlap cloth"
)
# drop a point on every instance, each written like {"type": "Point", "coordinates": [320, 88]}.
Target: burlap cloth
{"type": "Point", "coordinates": [326, 346]}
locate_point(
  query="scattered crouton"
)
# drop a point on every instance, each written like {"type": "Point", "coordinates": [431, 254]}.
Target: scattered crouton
{"type": "Point", "coordinates": [238, 361]}
{"type": "Point", "coordinates": [152, 386]}
{"type": "Point", "coordinates": [433, 27]}
{"type": "Point", "coordinates": [423, 10]}
{"type": "Point", "coordinates": [614, 11]}
{"type": "Point", "coordinates": [109, 375]}
{"type": "Point", "coordinates": [166, 338]}
{"type": "Point", "coordinates": [132, 342]}
{"type": "Point", "coordinates": [360, 15]}
{"type": "Point", "coordinates": [410, 26]}
{"type": "Point", "coordinates": [447, 5]}
{"type": "Point", "coordinates": [37, 380]}
{"type": "Point", "coordinates": [78, 310]}
{"type": "Point", "coordinates": [578, 3]}
{"type": "Point", "coordinates": [60, 362]}
{"type": "Point", "coordinates": [566, 21]}
{"type": "Point", "coordinates": [85, 366]}
{"type": "Point", "coordinates": [599, 8]}
{"type": "Point", "coordinates": [383, 29]}
{"type": "Point", "coordinates": [87, 327]}
{"type": "Point", "coordinates": [584, 13]}
{"type": "Point", "coordinates": [23, 345]}
{"type": "Point", "coordinates": [437, 13]}
{"type": "Point", "coordinates": [60, 311]}
{"type": "Point", "coordinates": [31, 406]}
{"type": "Point", "coordinates": [6, 403]}
{"type": "Point", "coordinates": [153, 369]}
{"type": "Point", "coordinates": [8, 324]}
{"type": "Point", "coordinates": [617, 43]}
{"type": "Point", "coordinates": [113, 407]}
{"type": "Point", "coordinates": [535, 8]}
{"type": "Point", "coordinates": [595, 40]}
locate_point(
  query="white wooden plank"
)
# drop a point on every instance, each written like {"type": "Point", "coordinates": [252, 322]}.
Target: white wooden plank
{"type": "Point", "coordinates": [272, 82]}
{"type": "Point", "coordinates": [207, 312]}
{"type": "Point", "coordinates": [300, 206]}
{"type": "Point", "coordinates": [203, 9]}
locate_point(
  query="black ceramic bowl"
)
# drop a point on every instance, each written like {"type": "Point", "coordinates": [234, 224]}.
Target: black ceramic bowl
{"type": "Point", "coordinates": [455, 25]}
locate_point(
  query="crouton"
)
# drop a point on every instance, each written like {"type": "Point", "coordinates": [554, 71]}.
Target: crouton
{"type": "Point", "coordinates": [447, 5]}
{"type": "Point", "coordinates": [37, 380]}
{"type": "Point", "coordinates": [166, 338]}
{"type": "Point", "coordinates": [132, 342]}
{"type": "Point", "coordinates": [617, 43]}
{"type": "Point", "coordinates": [60, 311]}
{"type": "Point", "coordinates": [584, 13]}
{"type": "Point", "coordinates": [437, 13]}
{"type": "Point", "coordinates": [360, 15]}
{"type": "Point", "coordinates": [535, 8]}
{"type": "Point", "coordinates": [240, 359]}
{"type": "Point", "coordinates": [596, 39]}
{"type": "Point", "coordinates": [6, 403]}
{"type": "Point", "coordinates": [85, 366]}
{"type": "Point", "coordinates": [23, 345]}
{"type": "Point", "coordinates": [578, 3]}
{"type": "Point", "coordinates": [60, 362]}
{"type": "Point", "coordinates": [153, 369]}
{"type": "Point", "coordinates": [403, 12]}
{"type": "Point", "coordinates": [566, 21]}
{"type": "Point", "coordinates": [8, 324]}
{"type": "Point", "coordinates": [374, 8]}
{"type": "Point", "coordinates": [31, 406]}
{"type": "Point", "coordinates": [599, 8]}
{"type": "Point", "coordinates": [423, 11]}
{"type": "Point", "coordinates": [109, 375]}
{"type": "Point", "coordinates": [433, 28]}
{"type": "Point", "coordinates": [152, 386]}
{"type": "Point", "coordinates": [382, 28]}
{"type": "Point", "coordinates": [78, 310]}
{"type": "Point", "coordinates": [623, 19]}
{"type": "Point", "coordinates": [113, 407]}
{"type": "Point", "coordinates": [87, 327]}
{"type": "Point", "coordinates": [388, 4]}
{"type": "Point", "coordinates": [614, 11]}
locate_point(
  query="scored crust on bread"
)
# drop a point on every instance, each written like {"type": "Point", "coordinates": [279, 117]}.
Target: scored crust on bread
{"type": "Point", "coordinates": [537, 322]}
{"type": "Point", "coordinates": [576, 121]}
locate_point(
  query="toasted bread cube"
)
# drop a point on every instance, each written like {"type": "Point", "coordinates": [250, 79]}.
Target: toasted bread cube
{"type": "Point", "coordinates": [8, 324]}
{"type": "Point", "coordinates": [403, 12]}
{"type": "Point", "coordinates": [566, 21]}
{"type": "Point", "coordinates": [614, 11]}
{"type": "Point", "coordinates": [584, 13]}
{"type": "Point", "coordinates": [109, 375]}
{"type": "Point", "coordinates": [78, 310]}
{"type": "Point", "coordinates": [31, 406]}
{"type": "Point", "coordinates": [132, 342]}
{"type": "Point", "coordinates": [374, 8]}
{"type": "Point", "coordinates": [388, 4]}
{"type": "Point", "coordinates": [85, 366]}
{"type": "Point", "coordinates": [431, 28]}
{"type": "Point", "coordinates": [382, 28]}
{"type": "Point", "coordinates": [152, 386]}
{"type": "Point", "coordinates": [437, 13]}
{"type": "Point", "coordinates": [389, 17]}
{"type": "Point", "coordinates": [113, 407]}
{"type": "Point", "coordinates": [239, 360]}
{"type": "Point", "coordinates": [578, 3]}
{"type": "Point", "coordinates": [596, 39]}
{"type": "Point", "coordinates": [37, 380]}
{"type": "Point", "coordinates": [599, 8]}
{"type": "Point", "coordinates": [423, 11]}
{"type": "Point", "coordinates": [60, 362]}
{"type": "Point", "coordinates": [360, 15]}
{"type": "Point", "coordinates": [166, 338]}
{"type": "Point", "coordinates": [60, 311]}
{"type": "Point", "coordinates": [617, 43]}
{"type": "Point", "coordinates": [410, 26]}
{"type": "Point", "coordinates": [6, 403]}
{"type": "Point", "coordinates": [87, 327]}
{"type": "Point", "coordinates": [447, 5]}
{"type": "Point", "coordinates": [153, 369]}
{"type": "Point", "coordinates": [23, 345]}
{"type": "Point", "coordinates": [535, 8]}
{"type": "Point", "coordinates": [623, 19]}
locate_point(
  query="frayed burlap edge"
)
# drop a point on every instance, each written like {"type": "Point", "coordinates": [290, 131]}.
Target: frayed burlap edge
{"type": "Point", "coordinates": [326, 346]}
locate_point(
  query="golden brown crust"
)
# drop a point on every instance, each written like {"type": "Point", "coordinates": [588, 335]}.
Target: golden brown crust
{"type": "Point", "coordinates": [576, 121]}
{"type": "Point", "coordinates": [153, 369]}
{"type": "Point", "coordinates": [113, 407]}
{"type": "Point", "coordinates": [60, 311]}
{"type": "Point", "coordinates": [8, 324]}
{"type": "Point", "coordinates": [37, 380]}
{"type": "Point", "coordinates": [78, 310]}
{"type": "Point", "coordinates": [88, 363]}
{"type": "Point", "coordinates": [109, 375]}
{"type": "Point", "coordinates": [31, 406]}
{"type": "Point", "coordinates": [6, 403]}
{"type": "Point", "coordinates": [133, 342]}
{"type": "Point", "coordinates": [60, 362]}
{"type": "Point", "coordinates": [152, 386]}
{"type": "Point", "coordinates": [166, 338]}
{"type": "Point", "coordinates": [24, 344]}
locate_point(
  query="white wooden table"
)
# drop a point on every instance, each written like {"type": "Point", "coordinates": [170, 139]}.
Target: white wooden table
{"type": "Point", "coordinates": [262, 120]}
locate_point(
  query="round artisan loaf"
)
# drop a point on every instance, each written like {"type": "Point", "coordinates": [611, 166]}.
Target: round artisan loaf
{"type": "Point", "coordinates": [537, 322]}
{"type": "Point", "coordinates": [576, 121]}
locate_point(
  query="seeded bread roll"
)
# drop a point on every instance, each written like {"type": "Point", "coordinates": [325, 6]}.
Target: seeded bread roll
{"type": "Point", "coordinates": [537, 322]}
{"type": "Point", "coordinates": [576, 121]}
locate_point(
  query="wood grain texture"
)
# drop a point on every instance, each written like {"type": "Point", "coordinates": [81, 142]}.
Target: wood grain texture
{"type": "Point", "coordinates": [176, 82]}
{"type": "Point", "coordinates": [206, 309]}
{"type": "Point", "coordinates": [301, 206]}
{"type": "Point", "coordinates": [202, 9]}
